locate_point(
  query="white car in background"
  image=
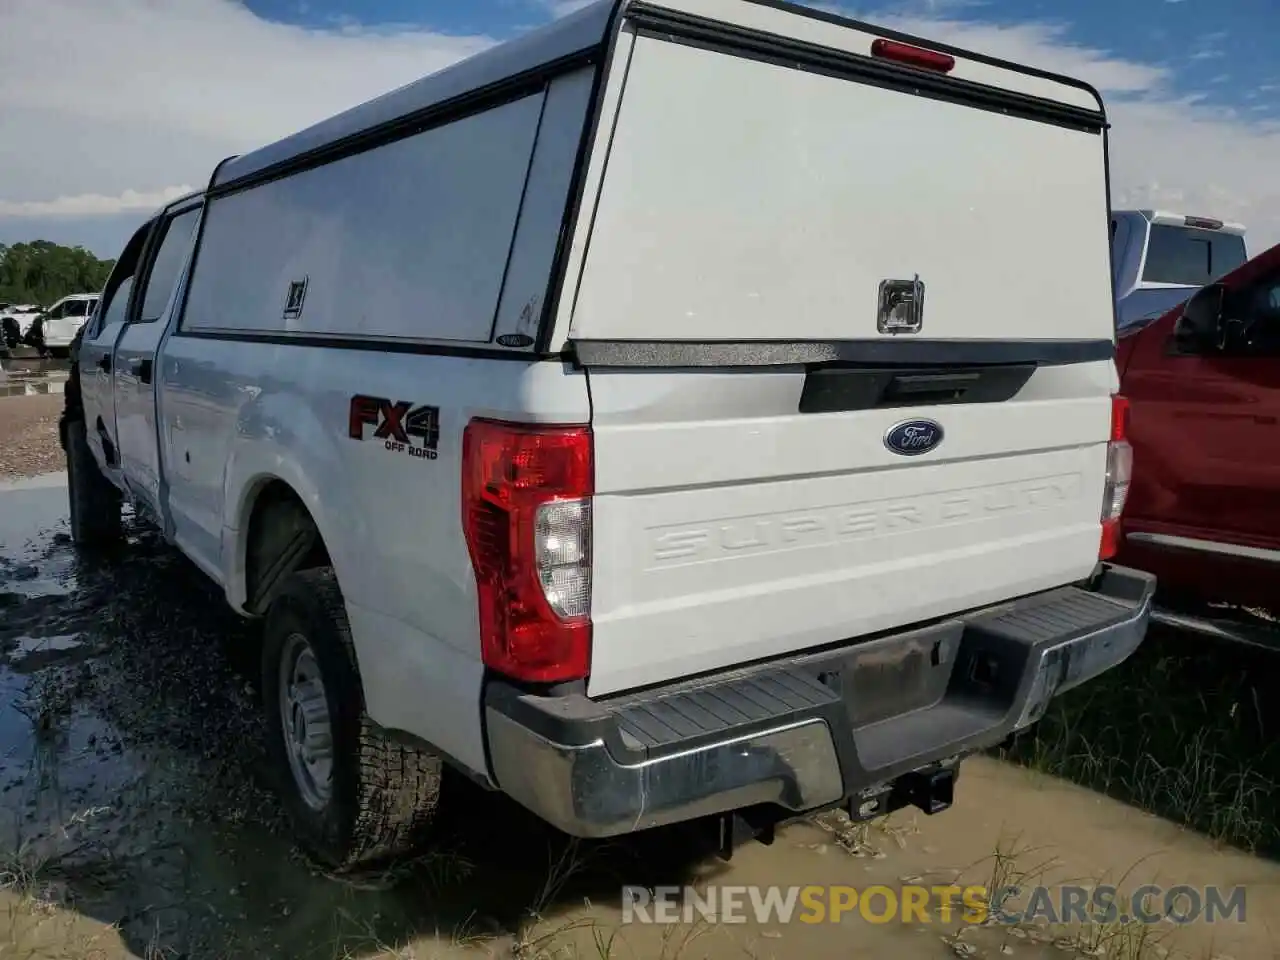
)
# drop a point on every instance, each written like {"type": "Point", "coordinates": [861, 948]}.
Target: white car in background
{"type": "Point", "coordinates": [54, 329]}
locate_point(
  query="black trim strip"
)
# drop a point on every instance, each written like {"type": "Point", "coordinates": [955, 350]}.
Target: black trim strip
{"type": "Point", "coordinates": [1106, 175]}
{"type": "Point", "coordinates": [607, 151]}
{"type": "Point", "coordinates": [841, 389]}
{"type": "Point", "coordinates": [578, 183]}
{"type": "Point", "coordinates": [783, 51]}
{"type": "Point", "coordinates": [198, 246]}
{"type": "Point", "coordinates": [515, 226]}
{"type": "Point", "coordinates": [464, 105]}
{"type": "Point", "coordinates": [784, 353]}
{"type": "Point", "coordinates": [825, 16]}
{"type": "Point", "coordinates": [147, 261]}
{"type": "Point", "coordinates": [359, 343]}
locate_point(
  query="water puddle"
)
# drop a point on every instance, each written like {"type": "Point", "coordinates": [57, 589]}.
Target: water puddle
{"type": "Point", "coordinates": [23, 387]}
{"type": "Point", "coordinates": [26, 646]}
{"type": "Point", "coordinates": [23, 373]}
{"type": "Point", "coordinates": [32, 654]}
{"type": "Point", "coordinates": [133, 780]}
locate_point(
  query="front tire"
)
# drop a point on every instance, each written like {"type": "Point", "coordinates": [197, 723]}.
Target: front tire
{"type": "Point", "coordinates": [94, 501]}
{"type": "Point", "coordinates": [355, 795]}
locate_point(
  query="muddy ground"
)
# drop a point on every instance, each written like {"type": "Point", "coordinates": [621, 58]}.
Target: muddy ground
{"type": "Point", "coordinates": [137, 819]}
{"type": "Point", "coordinates": [31, 392]}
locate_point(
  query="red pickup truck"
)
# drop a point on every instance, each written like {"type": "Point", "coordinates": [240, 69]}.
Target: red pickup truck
{"type": "Point", "coordinates": [1203, 513]}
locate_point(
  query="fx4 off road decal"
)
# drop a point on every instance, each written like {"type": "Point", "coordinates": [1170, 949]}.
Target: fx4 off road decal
{"type": "Point", "coordinates": [402, 427]}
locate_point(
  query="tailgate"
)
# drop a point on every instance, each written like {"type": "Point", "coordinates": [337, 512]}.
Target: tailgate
{"type": "Point", "coordinates": [776, 467]}
{"type": "Point", "coordinates": [728, 527]}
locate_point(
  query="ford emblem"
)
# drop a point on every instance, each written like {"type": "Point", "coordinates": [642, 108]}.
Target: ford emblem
{"type": "Point", "coordinates": [913, 437]}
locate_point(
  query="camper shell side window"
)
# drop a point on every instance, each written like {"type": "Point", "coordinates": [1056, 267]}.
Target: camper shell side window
{"type": "Point", "coordinates": [444, 236]}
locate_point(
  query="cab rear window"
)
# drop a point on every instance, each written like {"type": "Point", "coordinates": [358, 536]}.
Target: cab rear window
{"type": "Point", "coordinates": [1191, 255]}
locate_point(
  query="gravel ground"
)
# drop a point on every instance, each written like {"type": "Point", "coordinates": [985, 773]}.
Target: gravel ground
{"type": "Point", "coordinates": [29, 435]}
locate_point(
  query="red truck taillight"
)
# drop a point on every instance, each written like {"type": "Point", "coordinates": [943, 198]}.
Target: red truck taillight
{"type": "Point", "coordinates": [1119, 470]}
{"type": "Point", "coordinates": [526, 513]}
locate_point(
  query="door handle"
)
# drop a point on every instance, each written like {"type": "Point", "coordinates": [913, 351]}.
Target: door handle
{"type": "Point", "coordinates": [104, 363]}
{"type": "Point", "coordinates": [142, 369]}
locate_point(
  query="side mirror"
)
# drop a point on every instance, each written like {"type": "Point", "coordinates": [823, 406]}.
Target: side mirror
{"type": "Point", "coordinates": [1200, 325]}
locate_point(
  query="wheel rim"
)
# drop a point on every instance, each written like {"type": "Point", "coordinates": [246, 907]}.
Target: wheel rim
{"type": "Point", "coordinates": [305, 722]}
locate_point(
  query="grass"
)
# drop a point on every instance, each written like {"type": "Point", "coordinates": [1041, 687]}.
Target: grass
{"type": "Point", "coordinates": [1182, 730]}
{"type": "Point", "coordinates": [36, 915]}
{"type": "Point", "coordinates": [1013, 866]}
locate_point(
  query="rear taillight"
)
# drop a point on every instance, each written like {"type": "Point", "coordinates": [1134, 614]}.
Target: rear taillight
{"type": "Point", "coordinates": [526, 513]}
{"type": "Point", "coordinates": [1204, 223]}
{"type": "Point", "coordinates": [912, 56]}
{"type": "Point", "coordinates": [1119, 470]}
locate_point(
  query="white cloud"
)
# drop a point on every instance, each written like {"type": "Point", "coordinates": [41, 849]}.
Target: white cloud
{"type": "Point", "coordinates": [168, 88]}
{"type": "Point", "coordinates": [93, 204]}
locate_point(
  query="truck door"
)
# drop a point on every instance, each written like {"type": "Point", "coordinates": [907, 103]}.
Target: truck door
{"type": "Point", "coordinates": [132, 373]}
{"type": "Point", "coordinates": [1205, 428]}
{"type": "Point", "coordinates": [97, 346]}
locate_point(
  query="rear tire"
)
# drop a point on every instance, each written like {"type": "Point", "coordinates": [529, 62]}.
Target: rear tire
{"type": "Point", "coordinates": [94, 501]}
{"type": "Point", "coordinates": [355, 795]}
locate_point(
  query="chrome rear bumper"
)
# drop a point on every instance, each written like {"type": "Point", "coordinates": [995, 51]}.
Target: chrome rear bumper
{"type": "Point", "coordinates": [812, 731]}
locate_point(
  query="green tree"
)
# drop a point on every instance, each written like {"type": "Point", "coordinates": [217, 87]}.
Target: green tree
{"type": "Point", "coordinates": [42, 272]}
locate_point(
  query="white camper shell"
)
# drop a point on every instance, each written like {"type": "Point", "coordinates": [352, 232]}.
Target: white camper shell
{"type": "Point", "coordinates": [655, 416]}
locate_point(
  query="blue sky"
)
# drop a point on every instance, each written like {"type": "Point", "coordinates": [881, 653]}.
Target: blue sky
{"type": "Point", "coordinates": [1226, 51]}
{"type": "Point", "coordinates": [1192, 86]}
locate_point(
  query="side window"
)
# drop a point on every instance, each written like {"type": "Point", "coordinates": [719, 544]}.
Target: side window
{"type": "Point", "coordinates": [1265, 304]}
{"type": "Point", "coordinates": [166, 265]}
{"type": "Point", "coordinates": [407, 241]}
{"type": "Point", "coordinates": [1271, 299]}
{"type": "Point", "coordinates": [1120, 232]}
{"type": "Point", "coordinates": [114, 305]}
{"type": "Point", "coordinates": [118, 304]}
{"type": "Point", "coordinates": [1252, 320]}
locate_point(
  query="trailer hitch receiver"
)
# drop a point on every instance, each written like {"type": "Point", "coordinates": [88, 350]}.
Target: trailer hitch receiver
{"type": "Point", "coordinates": [931, 791]}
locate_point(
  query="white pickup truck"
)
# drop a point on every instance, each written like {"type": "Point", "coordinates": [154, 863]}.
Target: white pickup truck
{"type": "Point", "coordinates": [644, 417]}
{"type": "Point", "coordinates": [54, 330]}
{"type": "Point", "coordinates": [1159, 259]}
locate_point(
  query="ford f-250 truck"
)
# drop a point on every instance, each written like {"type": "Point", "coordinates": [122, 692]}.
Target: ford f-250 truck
{"type": "Point", "coordinates": [1204, 512]}
{"type": "Point", "coordinates": [621, 417]}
